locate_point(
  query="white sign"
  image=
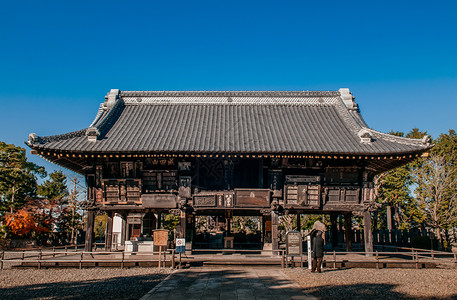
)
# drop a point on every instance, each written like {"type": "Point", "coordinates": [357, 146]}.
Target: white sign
{"type": "Point", "coordinates": [180, 242]}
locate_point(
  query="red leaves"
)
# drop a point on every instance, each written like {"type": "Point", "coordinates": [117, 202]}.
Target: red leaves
{"type": "Point", "coordinates": [22, 223]}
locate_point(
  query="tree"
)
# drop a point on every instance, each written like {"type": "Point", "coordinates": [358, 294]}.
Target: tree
{"type": "Point", "coordinates": [23, 223]}
{"type": "Point", "coordinates": [170, 222]}
{"type": "Point", "coordinates": [54, 190]}
{"type": "Point", "coordinates": [18, 177]}
{"type": "Point", "coordinates": [72, 220]}
{"type": "Point", "coordinates": [436, 184]}
{"type": "Point", "coordinates": [245, 224]}
{"type": "Point", "coordinates": [54, 200]}
{"type": "Point", "coordinates": [393, 191]}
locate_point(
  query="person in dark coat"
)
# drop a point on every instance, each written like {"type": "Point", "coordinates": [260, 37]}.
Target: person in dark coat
{"type": "Point", "coordinates": [317, 252]}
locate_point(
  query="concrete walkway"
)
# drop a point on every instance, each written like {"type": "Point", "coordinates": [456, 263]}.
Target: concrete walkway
{"type": "Point", "coordinates": [227, 283]}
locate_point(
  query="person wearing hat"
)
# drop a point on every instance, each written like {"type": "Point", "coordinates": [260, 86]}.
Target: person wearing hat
{"type": "Point", "coordinates": [317, 252]}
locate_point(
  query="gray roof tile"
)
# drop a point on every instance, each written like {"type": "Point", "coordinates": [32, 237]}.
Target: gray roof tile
{"type": "Point", "coordinates": [229, 122]}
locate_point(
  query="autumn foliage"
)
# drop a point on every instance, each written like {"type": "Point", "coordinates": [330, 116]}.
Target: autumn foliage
{"type": "Point", "coordinates": [23, 223]}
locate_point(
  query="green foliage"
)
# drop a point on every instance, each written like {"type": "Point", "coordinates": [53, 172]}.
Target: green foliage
{"type": "Point", "coordinates": [435, 181]}
{"type": "Point", "coordinates": [309, 220]}
{"type": "Point", "coordinates": [100, 225]}
{"type": "Point", "coordinates": [170, 222]}
{"type": "Point", "coordinates": [47, 203]}
{"type": "Point", "coordinates": [18, 177]}
{"type": "Point", "coordinates": [289, 222]}
{"type": "Point", "coordinates": [55, 188]}
{"type": "Point", "coordinates": [394, 190]}
{"type": "Point", "coordinates": [245, 224]}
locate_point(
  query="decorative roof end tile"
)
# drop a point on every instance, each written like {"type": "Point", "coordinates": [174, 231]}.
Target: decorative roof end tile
{"type": "Point", "coordinates": [426, 140]}
{"type": "Point", "coordinates": [365, 136]}
{"type": "Point", "coordinates": [92, 134]}
{"type": "Point", "coordinates": [33, 137]}
{"type": "Point", "coordinates": [111, 98]}
{"type": "Point", "coordinates": [347, 98]}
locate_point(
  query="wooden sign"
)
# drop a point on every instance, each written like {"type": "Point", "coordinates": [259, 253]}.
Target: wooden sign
{"type": "Point", "coordinates": [302, 179]}
{"type": "Point", "coordinates": [159, 201]}
{"type": "Point", "coordinates": [293, 243]}
{"type": "Point", "coordinates": [252, 197]}
{"type": "Point", "coordinates": [205, 200]}
{"type": "Point", "coordinates": [160, 237]}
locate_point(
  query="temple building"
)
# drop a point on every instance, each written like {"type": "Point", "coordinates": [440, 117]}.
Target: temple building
{"type": "Point", "coordinates": [225, 154]}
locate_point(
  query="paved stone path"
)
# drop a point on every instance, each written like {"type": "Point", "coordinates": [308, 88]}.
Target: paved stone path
{"type": "Point", "coordinates": [227, 283]}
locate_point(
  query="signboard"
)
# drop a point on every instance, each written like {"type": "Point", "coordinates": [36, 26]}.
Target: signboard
{"type": "Point", "coordinates": [293, 243]}
{"type": "Point", "coordinates": [252, 197]}
{"type": "Point", "coordinates": [205, 200]}
{"type": "Point", "coordinates": [180, 245]}
{"type": "Point", "coordinates": [159, 200]}
{"type": "Point", "coordinates": [302, 179]}
{"type": "Point", "coordinates": [160, 237]}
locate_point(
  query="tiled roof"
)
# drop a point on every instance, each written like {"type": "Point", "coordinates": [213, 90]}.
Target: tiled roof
{"type": "Point", "coordinates": [229, 122]}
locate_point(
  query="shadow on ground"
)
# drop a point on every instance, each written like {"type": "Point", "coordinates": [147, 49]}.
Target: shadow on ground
{"type": "Point", "coordinates": [131, 287]}
{"type": "Point", "coordinates": [363, 291]}
{"type": "Point", "coordinates": [228, 284]}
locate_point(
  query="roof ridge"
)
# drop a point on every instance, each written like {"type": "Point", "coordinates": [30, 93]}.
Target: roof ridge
{"type": "Point", "coordinates": [229, 93]}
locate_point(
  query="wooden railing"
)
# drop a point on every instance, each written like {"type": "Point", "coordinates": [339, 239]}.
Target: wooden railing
{"type": "Point", "coordinates": [80, 258]}
{"type": "Point", "coordinates": [412, 255]}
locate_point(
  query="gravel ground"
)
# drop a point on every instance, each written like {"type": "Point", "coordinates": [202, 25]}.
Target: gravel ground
{"type": "Point", "coordinates": [378, 284]}
{"type": "Point", "coordinates": [96, 283]}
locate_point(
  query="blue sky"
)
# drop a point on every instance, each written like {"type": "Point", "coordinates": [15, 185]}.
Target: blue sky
{"type": "Point", "coordinates": [58, 59]}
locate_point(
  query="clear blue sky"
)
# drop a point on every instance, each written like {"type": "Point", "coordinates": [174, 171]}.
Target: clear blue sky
{"type": "Point", "coordinates": [58, 59]}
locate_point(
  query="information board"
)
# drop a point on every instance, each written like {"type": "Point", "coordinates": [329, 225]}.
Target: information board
{"type": "Point", "coordinates": [160, 237]}
{"type": "Point", "coordinates": [293, 243]}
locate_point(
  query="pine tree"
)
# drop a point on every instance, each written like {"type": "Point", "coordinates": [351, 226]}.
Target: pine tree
{"type": "Point", "coordinates": [18, 177]}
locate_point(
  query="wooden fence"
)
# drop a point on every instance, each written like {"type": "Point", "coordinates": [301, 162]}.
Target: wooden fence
{"type": "Point", "coordinates": [41, 258]}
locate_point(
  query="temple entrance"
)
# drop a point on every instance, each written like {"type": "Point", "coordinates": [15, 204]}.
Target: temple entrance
{"type": "Point", "coordinates": [229, 232]}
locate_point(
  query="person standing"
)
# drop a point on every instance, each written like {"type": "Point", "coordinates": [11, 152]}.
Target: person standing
{"type": "Point", "coordinates": [317, 252]}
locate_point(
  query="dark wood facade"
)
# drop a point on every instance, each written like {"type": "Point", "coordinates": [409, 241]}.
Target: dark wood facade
{"type": "Point", "coordinates": [263, 176]}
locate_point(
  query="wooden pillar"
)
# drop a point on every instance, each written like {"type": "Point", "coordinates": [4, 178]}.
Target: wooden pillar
{"type": "Point", "coordinates": [153, 221]}
{"type": "Point", "coordinates": [159, 220]}
{"type": "Point", "coordinates": [274, 232]}
{"type": "Point", "coordinates": [348, 230]}
{"type": "Point", "coordinates": [264, 220]}
{"type": "Point", "coordinates": [124, 220]}
{"type": "Point", "coordinates": [126, 228]}
{"type": "Point", "coordinates": [298, 222]}
{"type": "Point", "coordinates": [109, 232]}
{"type": "Point", "coordinates": [367, 234]}
{"type": "Point", "coordinates": [89, 231]}
{"type": "Point", "coordinates": [334, 229]}
{"type": "Point", "coordinates": [389, 218]}
{"type": "Point", "coordinates": [182, 224]}
{"type": "Point", "coordinates": [190, 232]}
{"type": "Point", "coordinates": [228, 224]}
